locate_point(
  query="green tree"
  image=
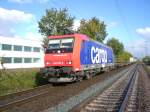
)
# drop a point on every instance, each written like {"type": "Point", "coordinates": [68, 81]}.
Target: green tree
{"type": "Point", "coordinates": [94, 28]}
{"type": "Point", "coordinates": [124, 56]}
{"type": "Point", "coordinates": [146, 60]}
{"type": "Point", "coordinates": [45, 42]}
{"type": "Point", "coordinates": [55, 22]}
{"type": "Point", "coordinates": [117, 46]}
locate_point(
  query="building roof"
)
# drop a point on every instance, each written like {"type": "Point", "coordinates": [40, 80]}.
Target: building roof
{"type": "Point", "coordinates": [20, 41]}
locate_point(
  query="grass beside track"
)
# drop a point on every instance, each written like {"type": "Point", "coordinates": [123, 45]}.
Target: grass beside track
{"type": "Point", "coordinates": [18, 80]}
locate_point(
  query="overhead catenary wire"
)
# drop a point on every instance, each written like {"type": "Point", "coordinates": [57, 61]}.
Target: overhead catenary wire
{"type": "Point", "coordinates": [123, 18]}
{"type": "Point", "coordinates": [63, 4]}
{"type": "Point", "coordinates": [74, 9]}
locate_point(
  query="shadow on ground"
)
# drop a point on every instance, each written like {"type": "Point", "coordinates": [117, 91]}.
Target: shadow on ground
{"type": "Point", "coordinates": [39, 80]}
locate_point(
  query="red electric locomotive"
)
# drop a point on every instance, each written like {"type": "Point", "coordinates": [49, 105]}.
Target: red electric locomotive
{"type": "Point", "coordinates": [72, 57]}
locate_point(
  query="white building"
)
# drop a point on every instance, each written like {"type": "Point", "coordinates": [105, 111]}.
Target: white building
{"type": "Point", "coordinates": [20, 53]}
{"type": "Point", "coordinates": [133, 59]}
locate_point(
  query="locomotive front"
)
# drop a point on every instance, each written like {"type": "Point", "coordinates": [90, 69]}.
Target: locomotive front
{"type": "Point", "coordinates": [59, 59]}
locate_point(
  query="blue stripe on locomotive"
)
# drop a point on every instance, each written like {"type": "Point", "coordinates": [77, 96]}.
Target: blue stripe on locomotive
{"type": "Point", "coordinates": [94, 53]}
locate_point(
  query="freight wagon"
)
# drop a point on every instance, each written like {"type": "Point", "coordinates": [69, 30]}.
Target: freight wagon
{"type": "Point", "coordinates": [74, 57]}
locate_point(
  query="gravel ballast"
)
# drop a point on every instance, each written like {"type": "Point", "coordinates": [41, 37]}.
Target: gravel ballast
{"type": "Point", "coordinates": [92, 90]}
{"type": "Point", "coordinates": [61, 93]}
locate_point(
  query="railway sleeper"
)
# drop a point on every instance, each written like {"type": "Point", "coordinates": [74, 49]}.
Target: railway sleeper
{"type": "Point", "coordinates": [109, 104]}
{"type": "Point", "coordinates": [106, 101]}
{"type": "Point", "coordinates": [112, 98]}
{"type": "Point", "coordinates": [103, 108]}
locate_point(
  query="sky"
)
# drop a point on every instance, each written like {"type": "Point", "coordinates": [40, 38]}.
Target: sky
{"type": "Point", "coordinates": [126, 20]}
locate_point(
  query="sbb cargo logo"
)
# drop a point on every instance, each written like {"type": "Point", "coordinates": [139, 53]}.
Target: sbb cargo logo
{"type": "Point", "coordinates": [98, 55]}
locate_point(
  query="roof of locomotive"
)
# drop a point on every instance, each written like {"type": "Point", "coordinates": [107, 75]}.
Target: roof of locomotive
{"type": "Point", "coordinates": [84, 37]}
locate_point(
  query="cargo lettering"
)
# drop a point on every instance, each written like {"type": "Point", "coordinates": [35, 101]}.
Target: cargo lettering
{"type": "Point", "coordinates": [98, 55]}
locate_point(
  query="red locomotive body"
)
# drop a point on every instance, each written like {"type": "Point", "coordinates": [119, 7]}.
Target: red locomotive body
{"type": "Point", "coordinates": [74, 57]}
{"type": "Point", "coordinates": [62, 57]}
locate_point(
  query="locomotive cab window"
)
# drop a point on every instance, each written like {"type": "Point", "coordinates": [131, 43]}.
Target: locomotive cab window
{"type": "Point", "coordinates": [63, 45]}
{"type": "Point", "coordinates": [66, 43]}
{"type": "Point", "coordinates": [54, 44]}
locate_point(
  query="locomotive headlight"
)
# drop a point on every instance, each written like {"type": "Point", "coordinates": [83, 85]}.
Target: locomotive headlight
{"type": "Point", "coordinates": [48, 62]}
{"type": "Point", "coordinates": [69, 62]}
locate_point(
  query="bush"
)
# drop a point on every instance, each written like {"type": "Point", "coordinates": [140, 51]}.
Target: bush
{"type": "Point", "coordinates": [39, 80]}
{"type": "Point", "coordinates": [18, 80]}
{"type": "Point", "coordinates": [146, 60]}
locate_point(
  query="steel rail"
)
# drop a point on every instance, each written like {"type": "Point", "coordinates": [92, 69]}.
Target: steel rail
{"type": "Point", "coordinates": [129, 86]}
{"type": "Point", "coordinates": [73, 103]}
{"type": "Point", "coordinates": [29, 98]}
{"type": "Point", "coordinates": [23, 92]}
{"type": "Point", "coordinates": [100, 103]}
{"type": "Point", "coordinates": [21, 101]}
{"type": "Point", "coordinates": [26, 98]}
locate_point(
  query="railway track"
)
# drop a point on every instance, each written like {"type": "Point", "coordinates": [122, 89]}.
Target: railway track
{"type": "Point", "coordinates": [25, 97]}
{"type": "Point", "coordinates": [11, 100]}
{"type": "Point", "coordinates": [120, 97]}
